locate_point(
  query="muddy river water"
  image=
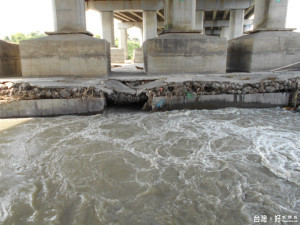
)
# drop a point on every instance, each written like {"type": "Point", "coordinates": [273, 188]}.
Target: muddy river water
{"type": "Point", "coordinates": [229, 166]}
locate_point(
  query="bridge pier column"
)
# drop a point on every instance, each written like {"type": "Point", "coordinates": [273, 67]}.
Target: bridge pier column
{"type": "Point", "coordinates": [107, 22]}
{"type": "Point", "coordinates": [200, 21]}
{"type": "Point", "coordinates": [225, 32]}
{"type": "Point", "coordinates": [270, 14]}
{"type": "Point", "coordinates": [123, 41]}
{"type": "Point", "coordinates": [270, 45]}
{"type": "Point", "coordinates": [236, 23]}
{"type": "Point", "coordinates": [69, 50]}
{"type": "Point", "coordinates": [149, 25]}
{"type": "Point", "coordinates": [181, 48]}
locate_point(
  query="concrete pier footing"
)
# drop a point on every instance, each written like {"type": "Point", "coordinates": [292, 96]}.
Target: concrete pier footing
{"type": "Point", "coordinates": [69, 50]}
{"type": "Point", "coordinates": [65, 55]}
{"type": "Point", "coordinates": [117, 55]}
{"type": "Point", "coordinates": [10, 64]}
{"type": "Point", "coordinates": [263, 51]}
{"type": "Point", "coordinates": [270, 45]}
{"type": "Point", "coordinates": [138, 55]}
{"type": "Point", "coordinates": [175, 53]}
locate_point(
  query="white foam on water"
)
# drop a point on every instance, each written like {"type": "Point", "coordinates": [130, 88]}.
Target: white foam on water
{"type": "Point", "coordinates": [219, 167]}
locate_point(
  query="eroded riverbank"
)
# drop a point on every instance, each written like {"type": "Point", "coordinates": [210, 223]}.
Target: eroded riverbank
{"type": "Point", "coordinates": [38, 97]}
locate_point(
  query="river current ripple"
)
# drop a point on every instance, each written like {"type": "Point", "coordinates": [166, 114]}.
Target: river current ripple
{"type": "Point", "coordinates": [181, 167]}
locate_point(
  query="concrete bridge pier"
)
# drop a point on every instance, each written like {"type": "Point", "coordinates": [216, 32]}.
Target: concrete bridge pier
{"type": "Point", "coordinates": [270, 45]}
{"type": "Point", "coordinates": [69, 50]}
{"type": "Point", "coordinates": [149, 24]}
{"type": "Point", "coordinates": [10, 64]}
{"type": "Point", "coordinates": [199, 23]}
{"type": "Point", "coordinates": [181, 48]}
{"type": "Point", "coordinates": [138, 53]}
{"type": "Point", "coordinates": [124, 41]}
{"type": "Point", "coordinates": [236, 23]}
{"type": "Point", "coordinates": [225, 32]}
{"type": "Point", "coordinates": [118, 55]}
{"type": "Point", "coordinates": [149, 31]}
{"type": "Point", "coordinates": [107, 24]}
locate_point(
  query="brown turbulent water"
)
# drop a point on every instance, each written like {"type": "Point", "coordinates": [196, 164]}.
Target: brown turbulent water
{"type": "Point", "coordinates": [181, 167]}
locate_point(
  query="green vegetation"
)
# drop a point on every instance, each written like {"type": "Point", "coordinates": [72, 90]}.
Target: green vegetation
{"type": "Point", "coordinates": [131, 46]}
{"type": "Point", "coordinates": [117, 42]}
{"type": "Point", "coordinates": [16, 38]}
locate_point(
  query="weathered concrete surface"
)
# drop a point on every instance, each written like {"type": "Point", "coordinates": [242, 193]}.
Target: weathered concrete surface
{"type": "Point", "coordinates": [117, 55]}
{"type": "Point", "coordinates": [119, 87]}
{"type": "Point", "coordinates": [180, 16]}
{"type": "Point", "coordinates": [123, 41]}
{"type": "Point", "coordinates": [10, 64]}
{"type": "Point", "coordinates": [51, 107]}
{"type": "Point", "coordinates": [107, 27]}
{"type": "Point", "coordinates": [69, 16]}
{"type": "Point", "coordinates": [138, 56]}
{"type": "Point", "coordinates": [236, 27]}
{"type": "Point", "coordinates": [155, 93]}
{"type": "Point", "coordinates": [270, 14]}
{"type": "Point", "coordinates": [175, 53]}
{"type": "Point", "coordinates": [211, 5]}
{"type": "Point", "coordinates": [149, 24]}
{"type": "Point", "coordinates": [65, 55]}
{"type": "Point", "coordinates": [235, 78]}
{"type": "Point", "coordinates": [109, 5]}
{"type": "Point", "coordinates": [263, 51]}
{"type": "Point", "coordinates": [267, 100]}
{"type": "Point", "coordinates": [199, 25]}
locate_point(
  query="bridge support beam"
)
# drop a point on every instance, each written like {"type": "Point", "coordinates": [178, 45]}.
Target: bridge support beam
{"type": "Point", "coordinates": [181, 48]}
{"type": "Point", "coordinates": [69, 50]}
{"type": "Point", "coordinates": [270, 45]}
